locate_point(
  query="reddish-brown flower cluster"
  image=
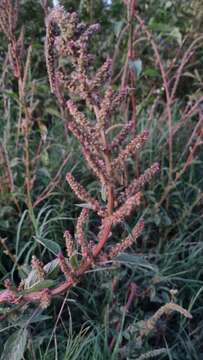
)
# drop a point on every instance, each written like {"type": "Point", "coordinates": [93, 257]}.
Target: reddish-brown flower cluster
{"type": "Point", "coordinates": [105, 153]}
{"type": "Point", "coordinates": [8, 22]}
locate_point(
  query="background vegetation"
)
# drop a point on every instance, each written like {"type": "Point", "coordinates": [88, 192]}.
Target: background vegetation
{"type": "Point", "coordinates": [92, 321]}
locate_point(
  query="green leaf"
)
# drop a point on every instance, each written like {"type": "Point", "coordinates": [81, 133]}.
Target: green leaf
{"type": "Point", "coordinates": [159, 26]}
{"type": "Point", "coordinates": [152, 73]}
{"type": "Point", "coordinates": [74, 262]}
{"type": "Point", "coordinates": [157, 219]}
{"type": "Point", "coordinates": [53, 111]}
{"type": "Point", "coordinates": [6, 211]}
{"type": "Point", "coordinates": [117, 27]}
{"type": "Point", "coordinates": [39, 286]}
{"type": "Point", "coordinates": [135, 261]}
{"type": "Point", "coordinates": [14, 162]}
{"type": "Point", "coordinates": [12, 95]}
{"type": "Point", "coordinates": [44, 172]}
{"type": "Point", "coordinates": [84, 205]}
{"type": "Point", "coordinates": [50, 245]}
{"type": "Point", "coordinates": [136, 66]}
{"type": "Point", "coordinates": [45, 158]}
{"type": "Point", "coordinates": [167, 220]}
{"type": "Point", "coordinates": [15, 346]}
{"type": "Point", "coordinates": [43, 131]}
{"type": "Point", "coordinates": [103, 193]}
{"type": "Point", "coordinates": [52, 268]}
{"type": "Point", "coordinates": [176, 34]}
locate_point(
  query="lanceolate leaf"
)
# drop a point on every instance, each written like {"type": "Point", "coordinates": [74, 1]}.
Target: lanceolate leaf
{"type": "Point", "coordinates": [136, 66]}
{"type": "Point", "coordinates": [39, 286]}
{"type": "Point", "coordinates": [15, 346]}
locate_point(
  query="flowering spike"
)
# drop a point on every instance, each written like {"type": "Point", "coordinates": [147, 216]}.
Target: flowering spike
{"type": "Point", "coordinates": [102, 75]}
{"type": "Point", "coordinates": [126, 209]}
{"type": "Point", "coordinates": [166, 309]}
{"type": "Point", "coordinates": [64, 266]}
{"type": "Point", "coordinates": [96, 165]}
{"type": "Point", "coordinates": [69, 243]}
{"type": "Point", "coordinates": [105, 108]}
{"type": "Point", "coordinates": [117, 142]}
{"type": "Point", "coordinates": [119, 98]}
{"type": "Point", "coordinates": [45, 300]}
{"type": "Point", "coordinates": [83, 129]}
{"type": "Point", "coordinates": [80, 233]}
{"type": "Point", "coordinates": [50, 56]}
{"type": "Point", "coordinates": [83, 195]}
{"type": "Point", "coordinates": [77, 115]}
{"type": "Point", "coordinates": [137, 184]}
{"type": "Point", "coordinates": [130, 149]}
{"type": "Point", "coordinates": [128, 241]}
{"type": "Point", "coordinates": [8, 18]}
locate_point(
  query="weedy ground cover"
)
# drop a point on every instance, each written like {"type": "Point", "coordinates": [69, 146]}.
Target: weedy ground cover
{"type": "Point", "coordinates": [108, 266]}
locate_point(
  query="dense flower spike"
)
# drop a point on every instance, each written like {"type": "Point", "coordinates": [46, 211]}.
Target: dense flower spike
{"type": "Point", "coordinates": [119, 98]}
{"type": "Point", "coordinates": [103, 74]}
{"type": "Point", "coordinates": [105, 110]}
{"type": "Point", "coordinates": [117, 142]}
{"type": "Point", "coordinates": [80, 233]}
{"type": "Point", "coordinates": [96, 165]}
{"type": "Point", "coordinates": [131, 148]}
{"type": "Point", "coordinates": [69, 243]}
{"type": "Point", "coordinates": [45, 300]}
{"type": "Point", "coordinates": [64, 266]}
{"type": "Point", "coordinates": [8, 22]}
{"type": "Point", "coordinates": [167, 309]}
{"type": "Point", "coordinates": [128, 241]}
{"type": "Point", "coordinates": [88, 134]}
{"type": "Point", "coordinates": [126, 209]}
{"type": "Point", "coordinates": [78, 116]}
{"type": "Point", "coordinates": [137, 184]}
{"type": "Point", "coordinates": [7, 18]}
{"type": "Point", "coordinates": [83, 195]}
{"type": "Point", "coordinates": [50, 57]}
